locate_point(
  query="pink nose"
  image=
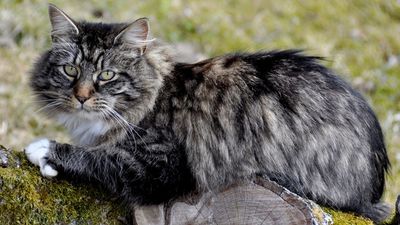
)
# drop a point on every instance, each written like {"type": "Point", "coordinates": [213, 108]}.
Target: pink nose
{"type": "Point", "coordinates": [81, 99]}
{"type": "Point", "coordinates": [83, 93]}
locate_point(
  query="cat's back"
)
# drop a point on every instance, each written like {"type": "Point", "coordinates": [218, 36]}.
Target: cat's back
{"type": "Point", "coordinates": [284, 74]}
{"type": "Point", "coordinates": [282, 115]}
{"type": "Point", "coordinates": [264, 88]}
{"type": "Point", "coordinates": [286, 87]}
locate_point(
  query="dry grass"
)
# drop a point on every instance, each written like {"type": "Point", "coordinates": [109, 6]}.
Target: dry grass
{"type": "Point", "coordinates": [360, 39]}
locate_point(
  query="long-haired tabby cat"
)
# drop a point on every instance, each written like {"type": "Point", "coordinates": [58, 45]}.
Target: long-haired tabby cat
{"type": "Point", "coordinates": [151, 129]}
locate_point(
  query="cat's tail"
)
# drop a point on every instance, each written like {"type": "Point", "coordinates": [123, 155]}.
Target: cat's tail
{"type": "Point", "coordinates": [379, 212]}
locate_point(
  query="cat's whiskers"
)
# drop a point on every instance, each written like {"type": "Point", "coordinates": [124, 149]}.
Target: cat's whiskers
{"type": "Point", "coordinates": [104, 115]}
{"type": "Point", "coordinates": [46, 92]}
{"type": "Point", "coordinates": [129, 125]}
{"type": "Point", "coordinates": [125, 123]}
{"type": "Point", "coordinates": [37, 100]}
{"type": "Point", "coordinates": [49, 105]}
{"type": "Point", "coordinates": [120, 123]}
{"type": "Point", "coordinates": [113, 116]}
{"type": "Point", "coordinates": [43, 101]}
{"type": "Point", "coordinates": [55, 95]}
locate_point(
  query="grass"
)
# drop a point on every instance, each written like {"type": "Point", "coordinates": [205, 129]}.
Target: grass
{"type": "Point", "coordinates": [359, 38]}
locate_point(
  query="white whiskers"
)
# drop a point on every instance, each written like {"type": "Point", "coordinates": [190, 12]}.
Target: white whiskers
{"type": "Point", "coordinates": [125, 125]}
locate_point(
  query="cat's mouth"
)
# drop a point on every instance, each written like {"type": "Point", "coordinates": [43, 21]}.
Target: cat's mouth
{"type": "Point", "coordinates": [84, 108]}
{"type": "Point", "coordinates": [88, 110]}
{"type": "Point", "coordinates": [92, 108]}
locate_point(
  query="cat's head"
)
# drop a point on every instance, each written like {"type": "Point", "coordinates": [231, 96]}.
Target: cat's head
{"type": "Point", "coordinates": [97, 71]}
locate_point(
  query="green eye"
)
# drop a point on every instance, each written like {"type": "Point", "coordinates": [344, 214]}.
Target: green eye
{"type": "Point", "coordinates": [71, 71]}
{"type": "Point", "coordinates": [106, 75]}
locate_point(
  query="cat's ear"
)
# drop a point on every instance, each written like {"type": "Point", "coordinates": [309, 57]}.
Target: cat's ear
{"type": "Point", "coordinates": [63, 27]}
{"type": "Point", "coordinates": [135, 34]}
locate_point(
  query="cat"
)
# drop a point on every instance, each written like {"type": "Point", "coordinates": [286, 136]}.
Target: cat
{"type": "Point", "coordinates": [151, 129]}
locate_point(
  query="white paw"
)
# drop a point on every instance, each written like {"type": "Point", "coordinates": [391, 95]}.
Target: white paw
{"type": "Point", "coordinates": [48, 171]}
{"type": "Point", "coordinates": [37, 150]}
{"type": "Point", "coordinates": [37, 153]}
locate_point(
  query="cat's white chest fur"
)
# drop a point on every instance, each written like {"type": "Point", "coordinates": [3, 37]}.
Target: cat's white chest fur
{"type": "Point", "coordinates": [83, 130]}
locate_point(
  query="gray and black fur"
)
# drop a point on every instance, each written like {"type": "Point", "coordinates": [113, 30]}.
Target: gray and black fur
{"type": "Point", "coordinates": [169, 128]}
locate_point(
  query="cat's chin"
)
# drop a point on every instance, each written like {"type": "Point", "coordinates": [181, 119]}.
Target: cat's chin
{"type": "Point", "coordinates": [87, 114]}
{"type": "Point", "coordinates": [80, 115]}
{"type": "Point", "coordinates": [83, 126]}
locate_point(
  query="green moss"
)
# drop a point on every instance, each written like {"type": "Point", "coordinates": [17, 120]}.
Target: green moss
{"type": "Point", "coordinates": [27, 198]}
{"type": "Point", "coordinates": [347, 218]}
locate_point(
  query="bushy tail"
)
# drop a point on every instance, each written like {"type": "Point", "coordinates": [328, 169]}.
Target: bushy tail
{"type": "Point", "coordinates": [378, 212]}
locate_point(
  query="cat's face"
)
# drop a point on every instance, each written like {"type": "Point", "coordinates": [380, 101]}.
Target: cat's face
{"type": "Point", "coordinates": [95, 71]}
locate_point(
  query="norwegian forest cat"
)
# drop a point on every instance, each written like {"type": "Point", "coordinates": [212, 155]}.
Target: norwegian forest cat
{"type": "Point", "coordinates": [151, 129]}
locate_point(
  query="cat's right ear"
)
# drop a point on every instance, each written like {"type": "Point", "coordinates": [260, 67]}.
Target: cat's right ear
{"type": "Point", "coordinates": [136, 34]}
{"type": "Point", "coordinates": [63, 27]}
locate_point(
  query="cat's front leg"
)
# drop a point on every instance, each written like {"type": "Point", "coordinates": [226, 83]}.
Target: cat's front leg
{"type": "Point", "coordinates": [79, 163]}
{"type": "Point", "coordinates": [141, 174]}
{"type": "Point", "coordinates": [37, 153]}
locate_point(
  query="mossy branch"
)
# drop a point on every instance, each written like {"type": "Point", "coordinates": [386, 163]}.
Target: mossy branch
{"type": "Point", "coordinates": [28, 198]}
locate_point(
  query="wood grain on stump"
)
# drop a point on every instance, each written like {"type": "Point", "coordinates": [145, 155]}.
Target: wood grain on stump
{"type": "Point", "coordinates": [258, 203]}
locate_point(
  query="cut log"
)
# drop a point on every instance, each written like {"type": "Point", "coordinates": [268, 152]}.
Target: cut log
{"type": "Point", "coordinates": [260, 202]}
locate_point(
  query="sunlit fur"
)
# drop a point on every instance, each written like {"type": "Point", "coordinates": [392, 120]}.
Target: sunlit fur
{"type": "Point", "coordinates": [163, 128]}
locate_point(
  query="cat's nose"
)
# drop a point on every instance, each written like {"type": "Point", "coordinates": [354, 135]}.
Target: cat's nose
{"type": "Point", "coordinates": [82, 99]}
{"type": "Point", "coordinates": [83, 93]}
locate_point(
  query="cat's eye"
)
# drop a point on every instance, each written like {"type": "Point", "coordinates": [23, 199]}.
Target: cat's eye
{"type": "Point", "coordinates": [71, 71]}
{"type": "Point", "coordinates": [106, 75]}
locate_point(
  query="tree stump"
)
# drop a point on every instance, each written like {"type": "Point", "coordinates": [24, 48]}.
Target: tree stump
{"type": "Point", "coordinates": [260, 202]}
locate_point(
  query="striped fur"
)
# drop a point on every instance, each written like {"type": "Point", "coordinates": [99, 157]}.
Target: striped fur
{"type": "Point", "coordinates": [174, 128]}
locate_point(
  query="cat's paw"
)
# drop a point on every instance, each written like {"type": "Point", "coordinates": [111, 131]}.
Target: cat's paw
{"type": "Point", "coordinates": [37, 153]}
{"type": "Point", "coordinates": [37, 150]}
{"type": "Point", "coordinates": [48, 171]}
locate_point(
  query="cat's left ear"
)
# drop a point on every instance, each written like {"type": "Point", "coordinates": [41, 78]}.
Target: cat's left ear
{"type": "Point", "coordinates": [136, 34]}
{"type": "Point", "coordinates": [63, 27]}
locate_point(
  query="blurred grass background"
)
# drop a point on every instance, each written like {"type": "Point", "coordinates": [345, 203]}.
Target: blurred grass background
{"type": "Point", "coordinates": [359, 38]}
